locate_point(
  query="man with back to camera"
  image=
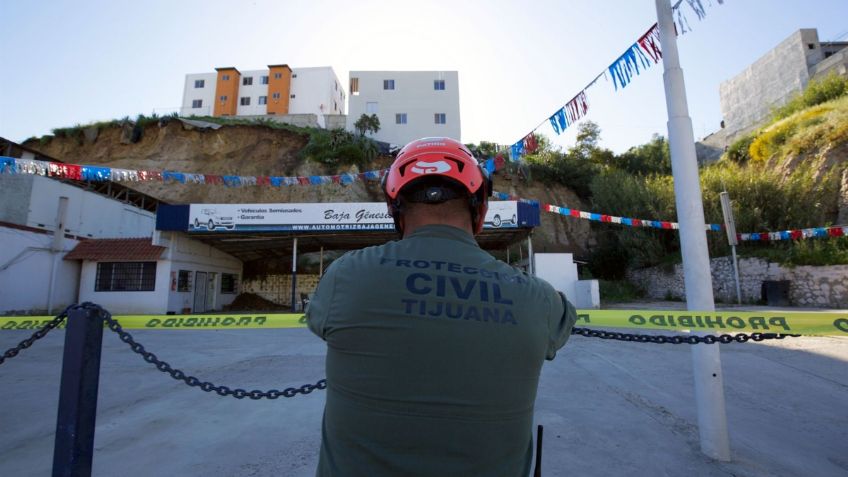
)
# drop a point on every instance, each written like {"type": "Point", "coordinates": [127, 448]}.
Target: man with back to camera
{"type": "Point", "coordinates": [434, 347]}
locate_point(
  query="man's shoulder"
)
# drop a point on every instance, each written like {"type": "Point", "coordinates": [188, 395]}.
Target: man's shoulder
{"type": "Point", "coordinates": [365, 255]}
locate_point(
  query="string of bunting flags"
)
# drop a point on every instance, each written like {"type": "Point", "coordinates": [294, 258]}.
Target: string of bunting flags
{"type": "Point", "coordinates": [11, 165]}
{"type": "Point", "coordinates": [794, 234]}
{"type": "Point", "coordinates": [643, 53]}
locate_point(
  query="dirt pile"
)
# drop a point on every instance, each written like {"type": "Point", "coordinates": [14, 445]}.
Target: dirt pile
{"type": "Point", "coordinates": [263, 151]}
{"type": "Point", "coordinates": [253, 302]}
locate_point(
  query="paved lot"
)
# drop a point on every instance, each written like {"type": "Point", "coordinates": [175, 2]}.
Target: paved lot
{"type": "Point", "coordinates": [609, 408]}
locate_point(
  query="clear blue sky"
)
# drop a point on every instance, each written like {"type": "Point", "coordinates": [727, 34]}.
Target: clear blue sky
{"type": "Point", "coordinates": [68, 62]}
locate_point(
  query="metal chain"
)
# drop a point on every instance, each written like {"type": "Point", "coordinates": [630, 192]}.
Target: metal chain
{"type": "Point", "coordinates": [193, 381]}
{"type": "Point", "coordinates": [690, 339]}
{"type": "Point", "coordinates": [41, 333]}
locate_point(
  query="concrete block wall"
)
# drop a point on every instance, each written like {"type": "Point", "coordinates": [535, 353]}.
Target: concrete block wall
{"type": "Point", "coordinates": [770, 81]}
{"type": "Point", "coordinates": [825, 287]}
{"type": "Point", "coordinates": [335, 121]}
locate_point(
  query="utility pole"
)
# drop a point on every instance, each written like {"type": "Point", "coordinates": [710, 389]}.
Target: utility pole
{"type": "Point", "coordinates": [706, 359]}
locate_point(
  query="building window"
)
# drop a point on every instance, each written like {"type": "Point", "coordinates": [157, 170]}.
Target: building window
{"type": "Point", "coordinates": [388, 84]}
{"type": "Point", "coordinates": [440, 118]}
{"type": "Point", "coordinates": [125, 276]}
{"type": "Point", "coordinates": [225, 78]}
{"type": "Point", "coordinates": [196, 103]}
{"type": "Point", "coordinates": [294, 76]}
{"type": "Point", "coordinates": [371, 108]}
{"type": "Point", "coordinates": [354, 86]}
{"type": "Point", "coordinates": [263, 100]}
{"type": "Point", "coordinates": [811, 46]}
{"type": "Point", "coordinates": [335, 106]}
{"type": "Point", "coordinates": [278, 75]}
{"type": "Point", "coordinates": [439, 85]}
{"type": "Point", "coordinates": [337, 85]}
{"type": "Point", "coordinates": [275, 96]}
{"type": "Point", "coordinates": [229, 283]}
{"type": "Point", "coordinates": [263, 79]}
{"type": "Point", "coordinates": [247, 81]}
{"type": "Point", "coordinates": [199, 83]}
{"type": "Point", "coordinates": [184, 281]}
{"type": "Point", "coordinates": [400, 118]}
{"type": "Point", "coordinates": [223, 99]}
{"type": "Point", "coordinates": [245, 101]}
{"type": "Point", "coordinates": [292, 96]}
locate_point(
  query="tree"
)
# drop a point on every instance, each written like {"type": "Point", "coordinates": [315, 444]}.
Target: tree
{"type": "Point", "coordinates": [367, 123]}
{"type": "Point", "coordinates": [588, 135]}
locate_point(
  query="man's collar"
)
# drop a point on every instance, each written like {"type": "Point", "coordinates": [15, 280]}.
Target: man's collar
{"type": "Point", "coordinates": [442, 231]}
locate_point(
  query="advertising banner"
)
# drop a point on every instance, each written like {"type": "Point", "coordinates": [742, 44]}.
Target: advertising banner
{"type": "Point", "coordinates": [316, 217]}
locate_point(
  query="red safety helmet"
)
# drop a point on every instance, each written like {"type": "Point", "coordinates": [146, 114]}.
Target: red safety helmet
{"type": "Point", "coordinates": [438, 157]}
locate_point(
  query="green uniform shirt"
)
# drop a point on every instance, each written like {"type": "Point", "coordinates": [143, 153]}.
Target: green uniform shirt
{"type": "Point", "coordinates": [433, 359]}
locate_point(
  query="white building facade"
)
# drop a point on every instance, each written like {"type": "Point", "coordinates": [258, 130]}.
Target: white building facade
{"type": "Point", "coordinates": [33, 274]}
{"type": "Point", "coordinates": [65, 242]}
{"type": "Point", "coordinates": [278, 90]}
{"type": "Point", "coordinates": [181, 276]}
{"type": "Point", "coordinates": [409, 104]}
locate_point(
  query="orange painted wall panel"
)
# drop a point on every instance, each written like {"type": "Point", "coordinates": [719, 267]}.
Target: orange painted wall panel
{"type": "Point", "coordinates": [228, 89]}
{"type": "Point", "coordinates": [281, 87]}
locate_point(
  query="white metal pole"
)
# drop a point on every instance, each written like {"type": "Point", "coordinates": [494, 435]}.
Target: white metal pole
{"type": "Point", "coordinates": [294, 276]}
{"type": "Point", "coordinates": [530, 265]}
{"type": "Point", "coordinates": [706, 359]}
{"type": "Point", "coordinates": [56, 249]}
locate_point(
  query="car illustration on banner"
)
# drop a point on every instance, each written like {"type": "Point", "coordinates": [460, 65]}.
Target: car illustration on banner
{"type": "Point", "coordinates": [498, 221]}
{"type": "Point", "coordinates": [210, 220]}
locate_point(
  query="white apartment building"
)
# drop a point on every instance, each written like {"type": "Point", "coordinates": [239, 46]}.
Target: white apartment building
{"type": "Point", "coordinates": [410, 104]}
{"type": "Point", "coordinates": [278, 90]}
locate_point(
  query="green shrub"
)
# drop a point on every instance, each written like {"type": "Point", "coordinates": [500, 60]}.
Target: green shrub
{"type": "Point", "coordinates": [567, 169]}
{"type": "Point", "coordinates": [650, 158]}
{"type": "Point", "coordinates": [817, 92]}
{"type": "Point", "coordinates": [738, 151]}
{"type": "Point", "coordinates": [617, 291]}
{"type": "Point", "coordinates": [339, 148]}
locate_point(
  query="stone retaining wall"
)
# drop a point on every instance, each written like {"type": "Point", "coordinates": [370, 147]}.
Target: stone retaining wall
{"type": "Point", "coordinates": [809, 286]}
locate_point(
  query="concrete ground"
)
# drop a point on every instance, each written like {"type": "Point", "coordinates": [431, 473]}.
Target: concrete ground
{"type": "Point", "coordinates": [609, 408]}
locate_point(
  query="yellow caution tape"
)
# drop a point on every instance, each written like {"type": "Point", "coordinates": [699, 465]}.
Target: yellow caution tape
{"type": "Point", "coordinates": [718, 322]}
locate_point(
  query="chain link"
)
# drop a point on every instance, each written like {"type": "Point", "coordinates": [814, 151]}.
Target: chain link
{"type": "Point", "coordinates": [194, 382]}
{"type": "Point", "coordinates": [256, 394]}
{"type": "Point", "coordinates": [690, 339]}
{"type": "Point", "coordinates": [41, 333]}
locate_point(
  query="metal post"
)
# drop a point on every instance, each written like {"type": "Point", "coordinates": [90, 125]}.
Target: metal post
{"type": "Point", "coordinates": [531, 267]}
{"type": "Point", "coordinates": [321, 263]}
{"type": "Point", "coordinates": [56, 248]}
{"type": "Point", "coordinates": [294, 276]}
{"type": "Point", "coordinates": [736, 275]}
{"type": "Point", "coordinates": [706, 360]}
{"type": "Point", "coordinates": [730, 227]}
{"type": "Point", "coordinates": [74, 446]}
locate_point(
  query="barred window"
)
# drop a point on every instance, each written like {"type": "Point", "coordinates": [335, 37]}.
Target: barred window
{"type": "Point", "coordinates": [184, 281]}
{"type": "Point", "coordinates": [125, 276]}
{"type": "Point", "coordinates": [229, 283]}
